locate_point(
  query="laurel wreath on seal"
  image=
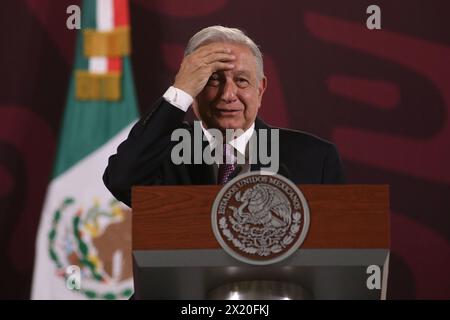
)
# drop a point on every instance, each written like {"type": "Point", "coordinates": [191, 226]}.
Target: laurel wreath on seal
{"type": "Point", "coordinates": [83, 250]}
{"type": "Point", "coordinates": [265, 251]}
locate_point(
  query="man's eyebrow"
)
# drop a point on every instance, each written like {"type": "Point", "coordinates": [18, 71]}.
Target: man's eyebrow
{"type": "Point", "coordinates": [243, 72]}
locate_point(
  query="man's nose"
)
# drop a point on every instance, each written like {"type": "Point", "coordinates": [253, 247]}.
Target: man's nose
{"type": "Point", "coordinates": [229, 91]}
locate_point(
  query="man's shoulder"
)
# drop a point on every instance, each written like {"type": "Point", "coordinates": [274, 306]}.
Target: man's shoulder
{"type": "Point", "coordinates": [292, 138]}
{"type": "Point", "coordinates": [302, 139]}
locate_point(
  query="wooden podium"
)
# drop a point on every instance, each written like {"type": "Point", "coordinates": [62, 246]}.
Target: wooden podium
{"type": "Point", "coordinates": [176, 255]}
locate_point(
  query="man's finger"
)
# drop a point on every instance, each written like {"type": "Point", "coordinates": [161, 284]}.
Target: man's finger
{"type": "Point", "coordinates": [204, 51]}
{"type": "Point", "coordinates": [223, 57]}
{"type": "Point", "coordinates": [216, 66]}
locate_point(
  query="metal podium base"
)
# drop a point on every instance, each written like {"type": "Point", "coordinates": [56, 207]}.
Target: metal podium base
{"type": "Point", "coordinates": [207, 274]}
{"type": "Point", "coordinates": [259, 290]}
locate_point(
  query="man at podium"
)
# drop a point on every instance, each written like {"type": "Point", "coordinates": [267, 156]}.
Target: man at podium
{"type": "Point", "coordinates": [222, 78]}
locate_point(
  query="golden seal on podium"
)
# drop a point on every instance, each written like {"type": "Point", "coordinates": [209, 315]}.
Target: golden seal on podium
{"type": "Point", "coordinates": [260, 218]}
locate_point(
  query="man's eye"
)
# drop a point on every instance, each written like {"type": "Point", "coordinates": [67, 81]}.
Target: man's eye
{"type": "Point", "coordinates": [213, 80]}
{"type": "Point", "coordinates": [242, 82]}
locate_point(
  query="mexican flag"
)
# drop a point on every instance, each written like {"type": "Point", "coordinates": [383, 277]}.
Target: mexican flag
{"type": "Point", "coordinates": [83, 247]}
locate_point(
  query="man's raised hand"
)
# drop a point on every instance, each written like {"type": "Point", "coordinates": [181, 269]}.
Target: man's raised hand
{"type": "Point", "coordinates": [197, 67]}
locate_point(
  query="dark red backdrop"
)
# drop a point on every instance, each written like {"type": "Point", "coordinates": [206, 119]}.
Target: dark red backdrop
{"type": "Point", "coordinates": [382, 96]}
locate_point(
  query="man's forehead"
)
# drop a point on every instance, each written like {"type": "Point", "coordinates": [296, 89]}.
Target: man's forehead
{"type": "Point", "coordinates": [245, 62]}
{"type": "Point", "coordinates": [242, 71]}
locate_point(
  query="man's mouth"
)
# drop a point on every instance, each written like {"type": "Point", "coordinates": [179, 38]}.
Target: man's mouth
{"type": "Point", "coordinates": [227, 112]}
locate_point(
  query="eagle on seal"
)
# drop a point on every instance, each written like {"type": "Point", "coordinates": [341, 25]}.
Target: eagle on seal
{"type": "Point", "coordinates": [266, 206]}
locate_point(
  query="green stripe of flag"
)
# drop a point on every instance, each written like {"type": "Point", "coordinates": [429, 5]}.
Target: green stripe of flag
{"type": "Point", "coordinates": [87, 125]}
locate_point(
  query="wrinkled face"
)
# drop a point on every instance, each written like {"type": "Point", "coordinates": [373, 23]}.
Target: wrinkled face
{"type": "Point", "coordinates": [231, 98]}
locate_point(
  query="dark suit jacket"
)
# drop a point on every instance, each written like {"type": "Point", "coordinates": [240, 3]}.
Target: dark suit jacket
{"type": "Point", "coordinates": [144, 157]}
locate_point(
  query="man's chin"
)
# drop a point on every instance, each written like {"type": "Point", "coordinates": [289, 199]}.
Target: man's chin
{"type": "Point", "coordinates": [227, 124]}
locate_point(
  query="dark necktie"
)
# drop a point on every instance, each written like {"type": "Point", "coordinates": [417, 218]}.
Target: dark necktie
{"type": "Point", "coordinates": [227, 168]}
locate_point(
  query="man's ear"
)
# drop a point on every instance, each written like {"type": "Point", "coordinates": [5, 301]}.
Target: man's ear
{"type": "Point", "coordinates": [262, 88]}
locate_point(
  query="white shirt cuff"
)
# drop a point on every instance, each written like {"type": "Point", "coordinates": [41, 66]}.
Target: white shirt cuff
{"type": "Point", "coordinates": [178, 98]}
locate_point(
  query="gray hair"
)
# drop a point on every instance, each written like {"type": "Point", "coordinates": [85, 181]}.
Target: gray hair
{"type": "Point", "coordinates": [234, 35]}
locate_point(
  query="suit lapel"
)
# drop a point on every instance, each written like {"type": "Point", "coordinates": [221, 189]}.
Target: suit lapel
{"type": "Point", "coordinates": [201, 174]}
{"type": "Point", "coordinates": [282, 169]}
{"type": "Point", "coordinates": [259, 125]}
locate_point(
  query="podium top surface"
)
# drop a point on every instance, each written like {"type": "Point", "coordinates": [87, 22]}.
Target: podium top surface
{"type": "Point", "coordinates": [341, 217]}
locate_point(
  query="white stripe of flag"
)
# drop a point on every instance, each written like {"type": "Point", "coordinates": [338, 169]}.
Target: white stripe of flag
{"type": "Point", "coordinates": [105, 22]}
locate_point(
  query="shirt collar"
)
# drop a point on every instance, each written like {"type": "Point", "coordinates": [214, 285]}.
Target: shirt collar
{"type": "Point", "coordinates": [239, 143]}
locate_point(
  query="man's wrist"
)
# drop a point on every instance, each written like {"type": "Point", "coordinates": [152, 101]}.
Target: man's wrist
{"type": "Point", "coordinates": [178, 98]}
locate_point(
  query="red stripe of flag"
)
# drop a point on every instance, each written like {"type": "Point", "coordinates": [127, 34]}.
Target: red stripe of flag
{"type": "Point", "coordinates": [115, 64]}
{"type": "Point", "coordinates": [121, 18]}
{"type": "Point", "coordinates": [121, 14]}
